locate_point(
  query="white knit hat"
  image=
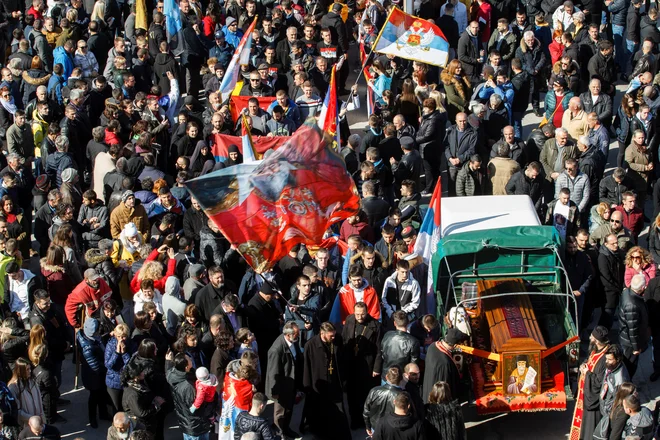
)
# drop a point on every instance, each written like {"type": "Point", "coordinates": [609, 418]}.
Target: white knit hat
{"type": "Point", "coordinates": [130, 230]}
{"type": "Point", "coordinates": [202, 373]}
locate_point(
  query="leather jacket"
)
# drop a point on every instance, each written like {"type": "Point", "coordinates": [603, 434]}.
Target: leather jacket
{"type": "Point", "coordinates": [398, 348]}
{"type": "Point", "coordinates": [379, 402]}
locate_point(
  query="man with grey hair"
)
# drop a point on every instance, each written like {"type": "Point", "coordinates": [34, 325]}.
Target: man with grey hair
{"type": "Point", "coordinates": [592, 163]}
{"type": "Point", "coordinates": [37, 429]}
{"type": "Point", "coordinates": [534, 62]}
{"type": "Point", "coordinates": [633, 318]}
{"type": "Point", "coordinates": [122, 427]}
{"type": "Point", "coordinates": [564, 14]}
{"type": "Point", "coordinates": [59, 161]}
{"type": "Point", "coordinates": [500, 169]}
{"type": "Point", "coordinates": [497, 117]}
{"type": "Point", "coordinates": [593, 100]}
{"type": "Point", "coordinates": [284, 377]}
{"type": "Point", "coordinates": [554, 154]}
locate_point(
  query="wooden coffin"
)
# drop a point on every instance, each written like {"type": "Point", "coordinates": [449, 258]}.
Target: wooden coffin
{"type": "Point", "coordinates": [511, 321]}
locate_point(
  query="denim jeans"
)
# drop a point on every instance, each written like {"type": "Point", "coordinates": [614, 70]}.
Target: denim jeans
{"type": "Point", "coordinates": [517, 118]}
{"type": "Point", "coordinates": [631, 49]}
{"type": "Point", "coordinates": [199, 437]}
{"type": "Point", "coordinates": [617, 32]}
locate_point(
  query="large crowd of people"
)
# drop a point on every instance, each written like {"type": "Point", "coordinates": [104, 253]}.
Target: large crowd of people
{"type": "Point", "coordinates": [103, 119]}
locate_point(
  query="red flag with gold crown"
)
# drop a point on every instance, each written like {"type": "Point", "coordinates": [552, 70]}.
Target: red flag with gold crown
{"type": "Point", "coordinates": [265, 208]}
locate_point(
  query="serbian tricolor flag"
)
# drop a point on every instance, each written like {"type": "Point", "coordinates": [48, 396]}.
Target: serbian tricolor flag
{"type": "Point", "coordinates": [236, 397]}
{"type": "Point", "coordinates": [329, 117]}
{"type": "Point", "coordinates": [241, 57]}
{"type": "Point", "coordinates": [412, 38]}
{"type": "Point", "coordinates": [427, 242]}
{"type": "Point", "coordinates": [294, 196]}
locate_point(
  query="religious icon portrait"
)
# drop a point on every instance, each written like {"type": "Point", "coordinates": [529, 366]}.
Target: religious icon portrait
{"type": "Point", "coordinates": [522, 373]}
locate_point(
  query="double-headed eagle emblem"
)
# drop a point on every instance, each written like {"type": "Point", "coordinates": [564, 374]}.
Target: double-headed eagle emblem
{"type": "Point", "coordinates": [414, 38]}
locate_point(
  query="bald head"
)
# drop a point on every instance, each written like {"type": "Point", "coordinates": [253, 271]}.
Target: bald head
{"type": "Point", "coordinates": [575, 104]}
{"type": "Point", "coordinates": [120, 420]}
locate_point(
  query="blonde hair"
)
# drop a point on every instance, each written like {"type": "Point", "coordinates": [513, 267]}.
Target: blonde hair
{"type": "Point", "coordinates": [646, 256]}
{"type": "Point", "coordinates": [601, 208]}
{"type": "Point", "coordinates": [121, 330]}
{"type": "Point", "coordinates": [439, 99]}
{"type": "Point", "coordinates": [151, 270]}
{"type": "Point", "coordinates": [98, 12]}
{"type": "Point", "coordinates": [37, 337]}
{"type": "Point", "coordinates": [38, 354]}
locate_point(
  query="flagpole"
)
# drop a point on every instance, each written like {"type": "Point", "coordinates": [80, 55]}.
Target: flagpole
{"type": "Point", "coordinates": [373, 46]}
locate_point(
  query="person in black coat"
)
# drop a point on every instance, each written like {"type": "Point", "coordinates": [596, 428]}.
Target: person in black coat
{"type": "Point", "coordinates": [284, 376]}
{"type": "Point", "coordinates": [652, 299]}
{"type": "Point", "coordinates": [140, 402]}
{"type": "Point", "coordinates": [264, 319]}
{"type": "Point", "coordinates": [37, 429]}
{"type": "Point", "coordinates": [209, 297]}
{"type": "Point", "coordinates": [252, 421]}
{"type": "Point", "coordinates": [430, 138]}
{"type": "Point", "coordinates": [362, 335]}
{"type": "Point", "coordinates": [440, 366]}
{"type": "Point", "coordinates": [42, 313]}
{"type": "Point", "coordinates": [459, 151]}
{"type": "Point", "coordinates": [602, 67]}
{"type": "Point", "coordinates": [448, 26]}
{"type": "Point", "coordinates": [183, 395]}
{"type": "Point", "coordinates": [333, 21]}
{"type": "Point", "coordinates": [580, 274]}
{"type": "Point", "coordinates": [443, 416]}
{"type": "Point", "coordinates": [324, 380]}
{"type": "Point", "coordinates": [410, 166]}
{"type": "Point", "coordinates": [373, 206]}
{"type": "Point", "coordinates": [634, 323]}
{"type": "Point", "coordinates": [521, 82]}
{"type": "Point", "coordinates": [611, 269]}
{"type": "Point", "coordinates": [469, 54]}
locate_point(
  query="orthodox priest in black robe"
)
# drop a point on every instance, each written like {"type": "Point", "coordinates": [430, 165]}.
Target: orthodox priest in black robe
{"type": "Point", "coordinates": [587, 403]}
{"type": "Point", "coordinates": [323, 381]}
{"type": "Point", "coordinates": [361, 335]}
{"type": "Point", "coordinates": [440, 365]}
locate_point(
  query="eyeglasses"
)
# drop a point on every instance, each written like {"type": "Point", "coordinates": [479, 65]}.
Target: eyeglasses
{"type": "Point", "coordinates": [615, 221]}
{"type": "Point", "coordinates": [254, 80]}
{"type": "Point", "coordinates": [82, 47]}
{"type": "Point", "coordinates": [636, 257]}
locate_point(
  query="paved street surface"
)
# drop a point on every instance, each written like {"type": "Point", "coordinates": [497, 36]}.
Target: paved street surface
{"type": "Point", "coordinates": [537, 426]}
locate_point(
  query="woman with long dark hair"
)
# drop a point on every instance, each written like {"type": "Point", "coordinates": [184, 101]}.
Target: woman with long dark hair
{"type": "Point", "coordinates": [140, 402]}
{"type": "Point", "coordinates": [443, 415]}
{"type": "Point", "coordinates": [26, 392]}
{"type": "Point", "coordinates": [611, 427]}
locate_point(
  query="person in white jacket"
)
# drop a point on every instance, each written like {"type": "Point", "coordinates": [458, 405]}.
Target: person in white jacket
{"type": "Point", "coordinates": [86, 60]}
{"type": "Point", "coordinates": [401, 291]}
{"type": "Point", "coordinates": [147, 293]}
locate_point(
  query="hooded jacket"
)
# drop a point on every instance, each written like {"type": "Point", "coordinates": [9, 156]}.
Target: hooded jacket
{"type": "Point", "coordinates": [57, 281]}
{"type": "Point", "coordinates": [347, 299]}
{"type": "Point", "coordinates": [640, 425]}
{"type": "Point", "coordinates": [396, 427]}
{"type": "Point", "coordinates": [32, 79]}
{"type": "Point", "coordinates": [533, 59]}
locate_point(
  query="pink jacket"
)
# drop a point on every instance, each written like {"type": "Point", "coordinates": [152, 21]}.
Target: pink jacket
{"type": "Point", "coordinates": [648, 272]}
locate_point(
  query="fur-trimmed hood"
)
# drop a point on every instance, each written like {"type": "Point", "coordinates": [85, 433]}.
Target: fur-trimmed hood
{"type": "Point", "coordinates": [94, 257]}
{"type": "Point", "coordinates": [380, 260]}
{"type": "Point", "coordinates": [34, 80]}
{"type": "Point", "coordinates": [573, 69]}
{"type": "Point", "coordinates": [525, 48]}
{"type": "Point", "coordinates": [459, 86]}
{"type": "Point", "coordinates": [49, 267]}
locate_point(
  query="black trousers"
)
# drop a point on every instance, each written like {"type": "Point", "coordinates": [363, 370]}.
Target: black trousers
{"type": "Point", "coordinates": [452, 173]}
{"type": "Point", "coordinates": [630, 360]}
{"type": "Point", "coordinates": [115, 398]}
{"type": "Point", "coordinates": [97, 399]}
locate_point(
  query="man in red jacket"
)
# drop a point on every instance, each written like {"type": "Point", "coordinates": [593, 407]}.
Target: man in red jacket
{"type": "Point", "coordinates": [633, 217]}
{"type": "Point", "coordinates": [91, 293]}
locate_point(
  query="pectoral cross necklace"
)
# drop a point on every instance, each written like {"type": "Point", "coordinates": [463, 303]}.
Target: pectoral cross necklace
{"type": "Point", "coordinates": [332, 353]}
{"type": "Point", "coordinates": [356, 347]}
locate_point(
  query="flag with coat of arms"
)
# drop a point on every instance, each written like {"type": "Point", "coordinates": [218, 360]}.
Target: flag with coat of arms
{"type": "Point", "coordinates": [412, 38]}
{"type": "Point", "coordinates": [427, 242]}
